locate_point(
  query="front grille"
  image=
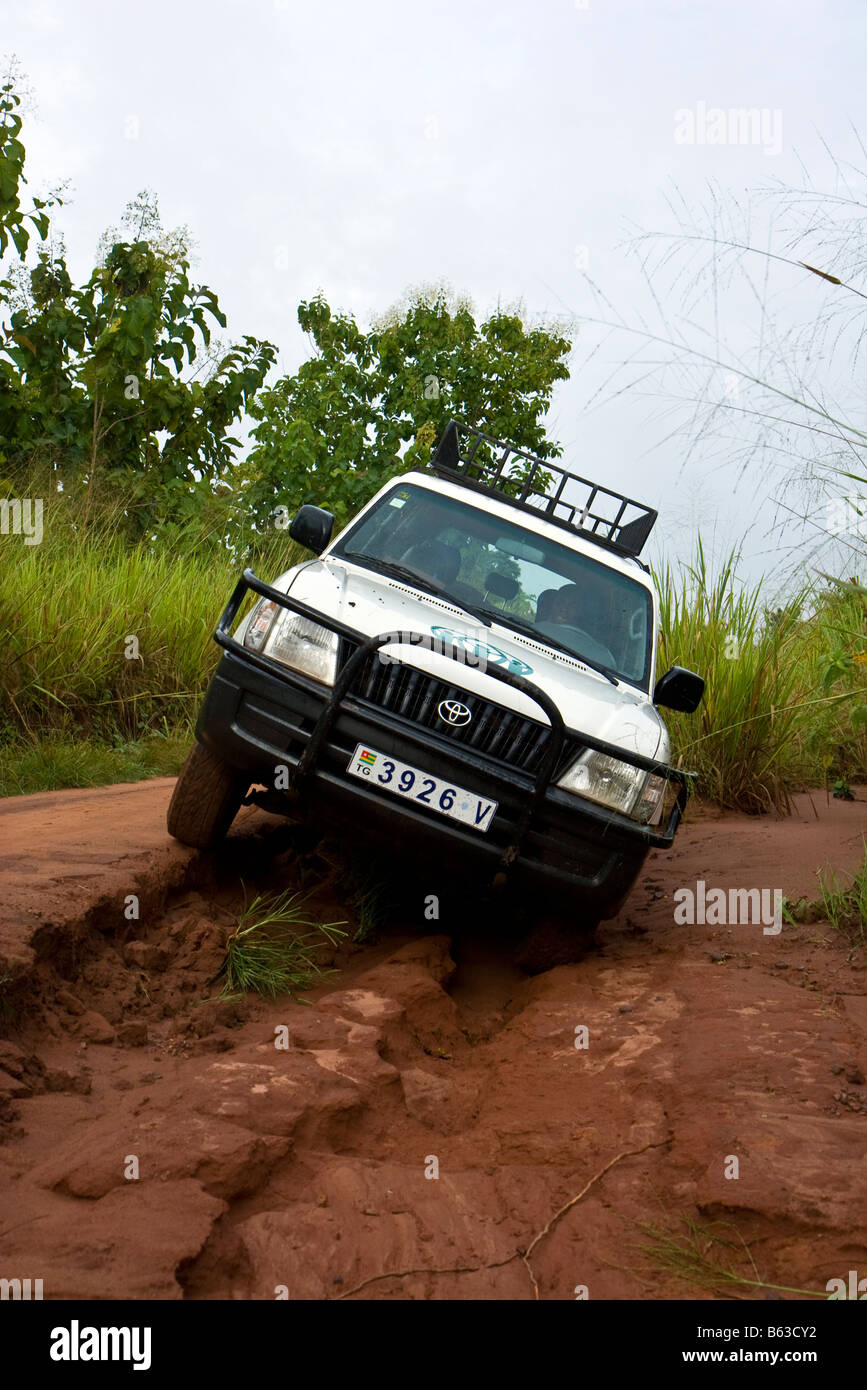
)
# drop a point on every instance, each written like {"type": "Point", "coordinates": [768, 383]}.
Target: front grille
{"type": "Point", "coordinates": [493, 730]}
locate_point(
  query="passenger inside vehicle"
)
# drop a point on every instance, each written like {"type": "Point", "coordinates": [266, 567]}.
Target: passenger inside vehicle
{"type": "Point", "coordinates": [574, 616]}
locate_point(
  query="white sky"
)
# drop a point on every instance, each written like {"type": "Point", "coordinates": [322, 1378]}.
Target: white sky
{"type": "Point", "coordinates": [360, 149]}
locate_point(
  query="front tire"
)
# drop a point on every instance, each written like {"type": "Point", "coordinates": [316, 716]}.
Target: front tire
{"type": "Point", "coordinates": [206, 799]}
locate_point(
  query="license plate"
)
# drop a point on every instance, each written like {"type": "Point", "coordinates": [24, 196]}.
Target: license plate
{"type": "Point", "coordinates": [438, 795]}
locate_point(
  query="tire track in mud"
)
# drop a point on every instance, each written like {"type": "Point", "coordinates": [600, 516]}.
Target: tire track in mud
{"type": "Point", "coordinates": [430, 1113]}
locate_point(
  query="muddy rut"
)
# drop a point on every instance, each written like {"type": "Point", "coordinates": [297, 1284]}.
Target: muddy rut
{"type": "Point", "coordinates": [433, 1123]}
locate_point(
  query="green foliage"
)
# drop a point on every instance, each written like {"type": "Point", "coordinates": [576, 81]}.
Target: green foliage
{"type": "Point", "coordinates": [846, 654]}
{"type": "Point", "coordinates": [367, 885]}
{"type": "Point", "coordinates": [267, 952]}
{"type": "Point", "coordinates": [66, 759]}
{"type": "Point", "coordinates": [752, 710]}
{"type": "Point", "coordinates": [841, 790]}
{"type": "Point", "coordinates": [103, 383]}
{"type": "Point", "coordinates": [96, 382]}
{"type": "Point", "coordinates": [68, 606]}
{"type": "Point", "coordinates": [842, 902]}
{"type": "Point", "coordinates": [768, 724]}
{"type": "Point", "coordinates": [368, 406]}
{"type": "Point", "coordinates": [115, 389]}
{"type": "Point", "coordinates": [702, 1257]}
{"type": "Point", "coordinates": [15, 222]}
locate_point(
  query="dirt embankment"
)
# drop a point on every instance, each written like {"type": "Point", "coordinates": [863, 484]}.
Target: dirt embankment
{"type": "Point", "coordinates": [422, 1128]}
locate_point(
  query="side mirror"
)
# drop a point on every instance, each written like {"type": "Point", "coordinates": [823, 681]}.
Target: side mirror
{"type": "Point", "coordinates": [679, 689]}
{"type": "Point", "coordinates": [312, 528]}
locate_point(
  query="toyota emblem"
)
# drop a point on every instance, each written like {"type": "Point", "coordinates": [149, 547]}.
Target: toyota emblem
{"type": "Point", "coordinates": [454, 713]}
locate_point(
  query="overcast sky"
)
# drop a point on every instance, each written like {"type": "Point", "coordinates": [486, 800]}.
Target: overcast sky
{"type": "Point", "coordinates": [502, 147]}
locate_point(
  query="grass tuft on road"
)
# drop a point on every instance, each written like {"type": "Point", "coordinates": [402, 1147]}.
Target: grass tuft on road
{"type": "Point", "coordinates": [701, 1257]}
{"type": "Point", "coordinates": [270, 953]}
{"type": "Point", "coordinates": [842, 902]}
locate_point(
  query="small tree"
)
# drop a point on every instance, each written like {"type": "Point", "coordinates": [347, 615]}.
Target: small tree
{"type": "Point", "coordinates": [103, 384]}
{"type": "Point", "coordinates": [368, 405]}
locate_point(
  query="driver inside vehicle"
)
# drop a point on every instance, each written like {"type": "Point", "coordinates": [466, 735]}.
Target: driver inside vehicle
{"type": "Point", "coordinates": [576, 614]}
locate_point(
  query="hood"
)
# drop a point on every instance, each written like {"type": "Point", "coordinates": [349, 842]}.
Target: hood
{"type": "Point", "coordinates": [375, 604]}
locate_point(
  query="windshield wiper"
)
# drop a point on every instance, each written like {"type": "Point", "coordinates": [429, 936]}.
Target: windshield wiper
{"type": "Point", "coordinates": [525, 626]}
{"type": "Point", "coordinates": [420, 581]}
{"type": "Point", "coordinates": [396, 571]}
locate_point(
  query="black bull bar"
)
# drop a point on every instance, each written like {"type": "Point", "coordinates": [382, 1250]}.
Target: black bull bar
{"type": "Point", "coordinates": [539, 782]}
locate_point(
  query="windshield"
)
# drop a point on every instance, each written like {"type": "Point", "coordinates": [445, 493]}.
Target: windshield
{"type": "Point", "coordinates": [539, 587]}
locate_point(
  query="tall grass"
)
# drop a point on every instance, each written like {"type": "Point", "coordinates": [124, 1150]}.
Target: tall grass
{"type": "Point", "coordinates": [50, 761]}
{"type": "Point", "coordinates": [839, 627]}
{"type": "Point", "coordinates": [100, 638]}
{"type": "Point", "coordinates": [766, 726]}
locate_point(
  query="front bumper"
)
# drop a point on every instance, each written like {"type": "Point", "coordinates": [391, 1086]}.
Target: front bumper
{"type": "Point", "coordinates": [280, 726]}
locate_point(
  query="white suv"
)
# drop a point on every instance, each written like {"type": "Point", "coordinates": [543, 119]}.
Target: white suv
{"type": "Point", "coordinates": [467, 670]}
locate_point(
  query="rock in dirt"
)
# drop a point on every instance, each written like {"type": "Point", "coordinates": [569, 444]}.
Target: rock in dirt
{"type": "Point", "coordinates": [78, 1083]}
{"type": "Point", "coordinates": [364, 1005]}
{"type": "Point", "coordinates": [12, 1059]}
{"type": "Point", "coordinates": [128, 1244]}
{"type": "Point", "coordinates": [134, 1033]}
{"type": "Point", "coordinates": [96, 1029]}
{"type": "Point", "coordinates": [70, 1002]}
{"type": "Point", "coordinates": [147, 955]}
{"type": "Point", "coordinates": [426, 1096]}
{"type": "Point", "coordinates": [413, 978]}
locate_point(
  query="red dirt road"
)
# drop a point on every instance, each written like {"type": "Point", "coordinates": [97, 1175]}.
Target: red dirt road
{"type": "Point", "coordinates": [414, 1133]}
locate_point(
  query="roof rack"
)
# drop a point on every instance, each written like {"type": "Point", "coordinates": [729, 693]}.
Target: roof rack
{"type": "Point", "coordinates": [595, 513]}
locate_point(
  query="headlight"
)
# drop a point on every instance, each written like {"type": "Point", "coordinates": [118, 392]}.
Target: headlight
{"type": "Point", "coordinates": [292, 640]}
{"type": "Point", "coordinates": [624, 788]}
{"type": "Point", "coordinates": [259, 622]}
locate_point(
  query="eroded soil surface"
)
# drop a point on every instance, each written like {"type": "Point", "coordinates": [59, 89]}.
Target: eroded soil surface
{"type": "Point", "coordinates": [429, 1114]}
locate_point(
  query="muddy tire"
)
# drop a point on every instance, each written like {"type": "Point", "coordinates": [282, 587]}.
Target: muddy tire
{"type": "Point", "coordinates": [555, 940]}
{"type": "Point", "coordinates": [206, 799]}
